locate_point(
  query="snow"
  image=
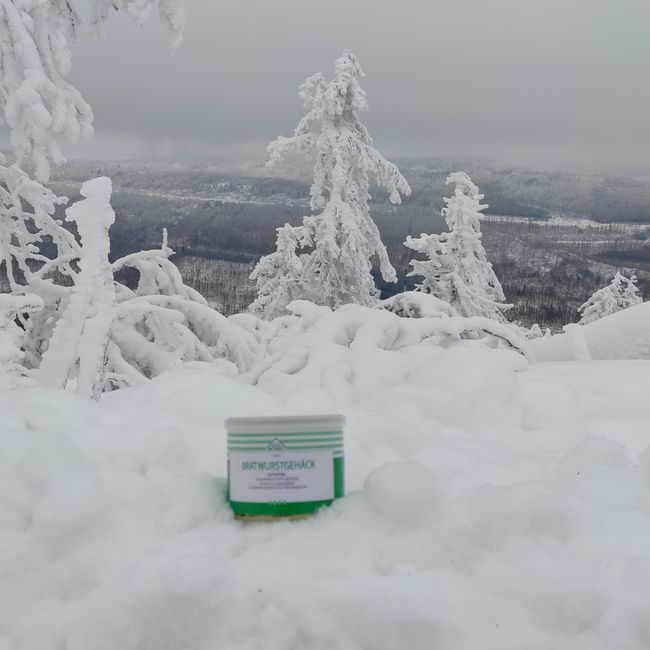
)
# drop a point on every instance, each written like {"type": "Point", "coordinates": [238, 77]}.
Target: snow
{"type": "Point", "coordinates": [491, 502]}
{"type": "Point", "coordinates": [623, 335]}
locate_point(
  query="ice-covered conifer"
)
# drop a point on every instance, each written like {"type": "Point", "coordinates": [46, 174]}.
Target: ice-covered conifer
{"type": "Point", "coordinates": [342, 235]}
{"type": "Point", "coordinates": [456, 269]}
{"type": "Point", "coordinates": [279, 276]}
{"type": "Point", "coordinates": [78, 347]}
{"type": "Point", "coordinates": [619, 294]}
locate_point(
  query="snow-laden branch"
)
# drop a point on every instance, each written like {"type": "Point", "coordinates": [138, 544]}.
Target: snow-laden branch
{"type": "Point", "coordinates": [317, 341]}
{"type": "Point", "coordinates": [11, 355]}
{"type": "Point", "coordinates": [38, 103]}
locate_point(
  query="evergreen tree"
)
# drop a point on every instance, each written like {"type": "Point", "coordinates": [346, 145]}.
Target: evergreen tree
{"type": "Point", "coordinates": [279, 276]}
{"type": "Point", "coordinates": [341, 235]}
{"type": "Point", "coordinates": [456, 269]}
{"type": "Point", "coordinates": [620, 293]}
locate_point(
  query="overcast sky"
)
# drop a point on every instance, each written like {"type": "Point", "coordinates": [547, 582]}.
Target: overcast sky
{"type": "Point", "coordinates": [551, 82]}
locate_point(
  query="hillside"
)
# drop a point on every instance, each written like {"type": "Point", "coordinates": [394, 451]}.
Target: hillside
{"type": "Point", "coordinates": [552, 236]}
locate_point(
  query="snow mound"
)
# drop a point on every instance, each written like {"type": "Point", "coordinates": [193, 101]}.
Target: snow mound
{"type": "Point", "coordinates": [417, 304]}
{"type": "Point", "coordinates": [623, 335]}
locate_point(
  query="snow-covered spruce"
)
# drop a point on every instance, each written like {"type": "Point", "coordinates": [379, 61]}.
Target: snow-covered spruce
{"type": "Point", "coordinates": [341, 236]}
{"type": "Point", "coordinates": [619, 294]}
{"type": "Point", "coordinates": [111, 336]}
{"type": "Point", "coordinates": [456, 269]}
{"type": "Point", "coordinates": [279, 276]}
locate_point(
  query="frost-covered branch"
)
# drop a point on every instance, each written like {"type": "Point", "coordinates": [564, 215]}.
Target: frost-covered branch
{"type": "Point", "coordinates": [38, 103]}
{"type": "Point", "coordinates": [26, 223]}
{"type": "Point", "coordinates": [11, 355]}
{"type": "Point", "coordinates": [158, 275]}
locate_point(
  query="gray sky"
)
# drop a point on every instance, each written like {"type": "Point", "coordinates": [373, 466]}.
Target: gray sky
{"type": "Point", "coordinates": [549, 82]}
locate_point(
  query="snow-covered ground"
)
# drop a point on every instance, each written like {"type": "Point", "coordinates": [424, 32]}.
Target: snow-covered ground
{"type": "Point", "coordinates": [492, 504]}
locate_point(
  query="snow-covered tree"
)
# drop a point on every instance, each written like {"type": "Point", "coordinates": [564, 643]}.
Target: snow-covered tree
{"type": "Point", "coordinates": [341, 236]}
{"type": "Point", "coordinates": [39, 106]}
{"type": "Point", "coordinates": [619, 294]}
{"type": "Point", "coordinates": [456, 269]}
{"type": "Point", "coordinates": [77, 349]}
{"type": "Point", "coordinates": [279, 276]}
{"type": "Point", "coordinates": [110, 335]}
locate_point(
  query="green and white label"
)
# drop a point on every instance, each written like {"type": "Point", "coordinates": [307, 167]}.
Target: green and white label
{"type": "Point", "coordinates": [281, 476]}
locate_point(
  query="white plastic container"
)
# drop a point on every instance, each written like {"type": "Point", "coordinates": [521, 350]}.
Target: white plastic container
{"type": "Point", "coordinates": [288, 466]}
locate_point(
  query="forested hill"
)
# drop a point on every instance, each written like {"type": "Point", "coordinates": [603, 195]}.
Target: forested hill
{"type": "Point", "coordinates": [509, 189]}
{"type": "Point", "coordinates": [553, 236]}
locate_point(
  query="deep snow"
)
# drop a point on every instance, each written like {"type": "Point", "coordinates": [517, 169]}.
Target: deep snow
{"type": "Point", "coordinates": [491, 504]}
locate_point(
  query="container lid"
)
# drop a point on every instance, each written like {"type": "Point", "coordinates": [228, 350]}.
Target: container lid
{"type": "Point", "coordinates": [285, 423]}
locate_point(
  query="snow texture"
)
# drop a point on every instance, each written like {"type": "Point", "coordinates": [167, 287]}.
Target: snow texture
{"type": "Point", "coordinates": [491, 503]}
{"type": "Point", "coordinates": [456, 269]}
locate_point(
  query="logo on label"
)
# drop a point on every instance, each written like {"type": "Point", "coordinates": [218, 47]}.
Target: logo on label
{"type": "Point", "coordinates": [276, 445]}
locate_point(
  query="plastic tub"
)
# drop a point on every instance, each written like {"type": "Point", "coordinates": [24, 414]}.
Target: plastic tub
{"type": "Point", "coordinates": [287, 466]}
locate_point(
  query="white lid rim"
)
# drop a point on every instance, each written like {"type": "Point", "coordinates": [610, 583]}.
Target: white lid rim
{"type": "Point", "coordinates": [272, 420]}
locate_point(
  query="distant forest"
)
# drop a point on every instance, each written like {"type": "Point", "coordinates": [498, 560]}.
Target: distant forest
{"type": "Point", "coordinates": [553, 237]}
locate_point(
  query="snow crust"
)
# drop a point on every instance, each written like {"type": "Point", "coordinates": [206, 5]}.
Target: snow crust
{"type": "Point", "coordinates": [491, 504]}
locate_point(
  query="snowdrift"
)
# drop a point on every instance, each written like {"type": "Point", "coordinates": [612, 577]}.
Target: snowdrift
{"type": "Point", "coordinates": [624, 335]}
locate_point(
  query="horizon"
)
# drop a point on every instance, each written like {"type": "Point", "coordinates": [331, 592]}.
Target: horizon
{"type": "Point", "coordinates": [524, 86]}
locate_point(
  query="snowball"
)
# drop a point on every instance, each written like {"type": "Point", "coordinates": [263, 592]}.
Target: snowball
{"type": "Point", "coordinates": [404, 492]}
